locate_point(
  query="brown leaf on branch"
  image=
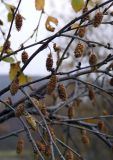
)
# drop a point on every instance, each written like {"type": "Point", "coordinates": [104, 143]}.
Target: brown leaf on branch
{"type": "Point", "coordinates": [50, 20]}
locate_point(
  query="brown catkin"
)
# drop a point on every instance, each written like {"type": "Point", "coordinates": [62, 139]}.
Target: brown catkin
{"type": "Point", "coordinates": [81, 32]}
{"type": "Point", "coordinates": [70, 112]}
{"type": "Point", "coordinates": [97, 19]}
{"type": "Point", "coordinates": [18, 22]}
{"type": "Point", "coordinates": [79, 50]}
{"type": "Point", "coordinates": [62, 92]}
{"type": "Point", "coordinates": [87, 17]}
{"type": "Point", "coordinates": [48, 150]}
{"type": "Point", "coordinates": [92, 59]}
{"type": "Point", "coordinates": [69, 155]}
{"type": "Point", "coordinates": [49, 62]}
{"type": "Point", "coordinates": [42, 108]}
{"type": "Point", "coordinates": [85, 139]}
{"type": "Point", "coordinates": [14, 86]}
{"type": "Point", "coordinates": [19, 110]}
{"type": "Point", "coordinates": [91, 93]}
{"type": "Point", "coordinates": [52, 84]}
{"type": "Point", "coordinates": [24, 57]}
{"type": "Point", "coordinates": [41, 146]}
{"type": "Point", "coordinates": [101, 125]}
{"type": "Point", "coordinates": [20, 145]}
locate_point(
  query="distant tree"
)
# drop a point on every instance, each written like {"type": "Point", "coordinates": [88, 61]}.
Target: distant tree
{"type": "Point", "coordinates": [71, 110]}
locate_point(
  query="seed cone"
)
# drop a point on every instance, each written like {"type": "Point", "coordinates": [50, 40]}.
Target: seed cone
{"type": "Point", "coordinates": [97, 19]}
{"type": "Point", "coordinates": [79, 50]}
{"type": "Point", "coordinates": [49, 62]}
{"type": "Point", "coordinates": [52, 84]}
{"type": "Point", "coordinates": [19, 110]}
{"type": "Point", "coordinates": [69, 155]}
{"type": "Point", "coordinates": [87, 17]}
{"type": "Point", "coordinates": [24, 57]}
{"type": "Point", "coordinates": [62, 92]}
{"type": "Point", "coordinates": [92, 59]}
{"type": "Point", "coordinates": [18, 22]}
{"type": "Point", "coordinates": [70, 112]}
{"type": "Point", "coordinates": [14, 86]}
{"type": "Point", "coordinates": [81, 32]}
{"type": "Point", "coordinates": [20, 145]}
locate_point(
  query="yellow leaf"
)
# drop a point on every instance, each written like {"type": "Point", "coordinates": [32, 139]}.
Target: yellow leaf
{"type": "Point", "coordinates": [39, 4]}
{"type": "Point", "coordinates": [14, 68]}
{"type": "Point", "coordinates": [49, 27]}
{"type": "Point", "coordinates": [77, 5]}
{"type": "Point", "coordinates": [92, 121]}
{"type": "Point", "coordinates": [74, 26]}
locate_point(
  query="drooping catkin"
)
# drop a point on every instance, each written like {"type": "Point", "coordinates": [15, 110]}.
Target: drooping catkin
{"type": "Point", "coordinates": [87, 17]}
{"type": "Point", "coordinates": [70, 112]}
{"type": "Point", "coordinates": [14, 86]}
{"type": "Point", "coordinates": [101, 125]}
{"type": "Point", "coordinates": [20, 145]}
{"type": "Point", "coordinates": [91, 93]}
{"type": "Point", "coordinates": [81, 32]}
{"type": "Point", "coordinates": [18, 21]}
{"type": "Point", "coordinates": [84, 137]}
{"type": "Point", "coordinates": [97, 19]}
{"type": "Point", "coordinates": [19, 110]}
{"type": "Point", "coordinates": [92, 59]}
{"type": "Point", "coordinates": [52, 84]}
{"type": "Point", "coordinates": [41, 146]}
{"type": "Point", "coordinates": [69, 155]}
{"type": "Point", "coordinates": [49, 62]}
{"type": "Point", "coordinates": [30, 120]}
{"type": "Point", "coordinates": [42, 108]}
{"type": "Point", "coordinates": [62, 92]}
{"type": "Point", "coordinates": [79, 50]}
{"type": "Point", "coordinates": [24, 57]}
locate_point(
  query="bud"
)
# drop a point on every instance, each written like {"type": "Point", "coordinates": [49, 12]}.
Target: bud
{"type": "Point", "coordinates": [52, 84]}
{"type": "Point", "coordinates": [24, 57]}
{"type": "Point", "coordinates": [18, 22]}
{"type": "Point", "coordinates": [14, 86]}
{"type": "Point", "coordinates": [97, 19]}
{"type": "Point", "coordinates": [49, 62]}
{"type": "Point", "coordinates": [62, 92]}
{"type": "Point", "coordinates": [19, 110]}
{"type": "Point", "coordinates": [20, 145]}
{"type": "Point", "coordinates": [7, 46]}
{"type": "Point", "coordinates": [79, 50]}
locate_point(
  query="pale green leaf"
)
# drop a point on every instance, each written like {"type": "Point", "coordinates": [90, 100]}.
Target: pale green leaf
{"type": "Point", "coordinates": [77, 5]}
{"type": "Point", "coordinates": [9, 59]}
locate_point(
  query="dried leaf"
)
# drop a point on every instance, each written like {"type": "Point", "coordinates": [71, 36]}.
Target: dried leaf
{"type": "Point", "coordinates": [39, 4]}
{"type": "Point", "coordinates": [48, 26]}
{"type": "Point", "coordinates": [77, 5]}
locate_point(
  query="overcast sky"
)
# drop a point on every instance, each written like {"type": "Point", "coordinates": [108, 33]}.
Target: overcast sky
{"type": "Point", "coordinates": [27, 9]}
